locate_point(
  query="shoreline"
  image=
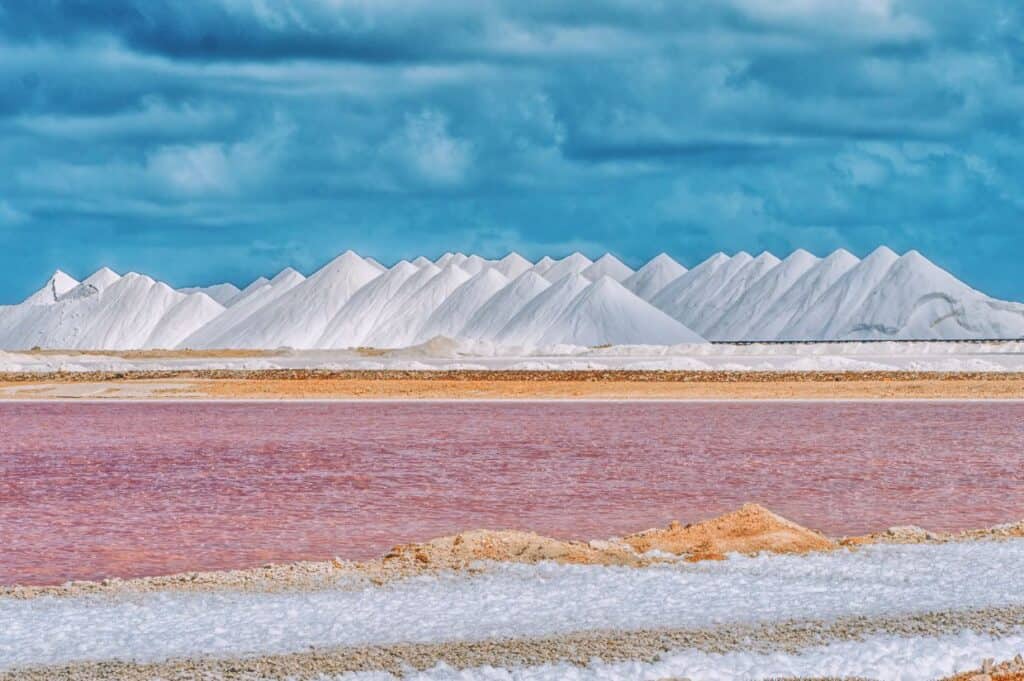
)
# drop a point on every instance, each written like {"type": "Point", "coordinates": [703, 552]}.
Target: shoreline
{"type": "Point", "coordinates": [509, 385]}
{"type": "Point", "coordinates": [749, 530]}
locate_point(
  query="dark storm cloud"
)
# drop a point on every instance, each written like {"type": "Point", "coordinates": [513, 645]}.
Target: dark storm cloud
{"type": "Point", "coordinates": [232, 137]}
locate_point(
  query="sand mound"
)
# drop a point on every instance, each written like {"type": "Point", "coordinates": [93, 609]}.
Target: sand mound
{"type": "Point", "coordinates": [512, 546]}
{"type": "Point", "coordinates": [1011, 670]}
{"type": "Point", "coordinates": [751, 529]}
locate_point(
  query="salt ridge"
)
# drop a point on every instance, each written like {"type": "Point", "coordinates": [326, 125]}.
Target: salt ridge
{"type": "Point", "coordinates": [352, 301]}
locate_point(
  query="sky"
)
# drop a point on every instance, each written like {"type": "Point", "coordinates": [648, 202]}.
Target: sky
{"type": "Point", "coordinates": [222, 140]}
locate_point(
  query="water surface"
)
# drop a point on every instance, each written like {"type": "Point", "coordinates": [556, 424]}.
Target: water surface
{"type": "Point", "coordinates": [91, 490]}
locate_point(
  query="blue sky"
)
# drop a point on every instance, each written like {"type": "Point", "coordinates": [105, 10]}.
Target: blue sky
{"type": "Point", "coordinates": [200, 142]}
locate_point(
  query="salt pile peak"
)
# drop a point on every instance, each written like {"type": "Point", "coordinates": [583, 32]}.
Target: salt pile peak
{"type": "Point", "coordinates": [491, 318]}
{"type": "Point", "coordinates": [741, 314]}
{"type": "Point", "coordinates": [725, 297]}
{"type": "Point", "coordinates": [828, 317]}
{"type": "Point", "coordinates": [221, 332]}
{"type": "Point", "coordinates": [350, 302]}
{"type": "Point", "coordinates": [607, 266]}
{"type": "Point", "coordinates": [533, 320]}
{"type": "Point", "coordinates": [222, 293]}
{"type": "Point", "coordinates": [363, 311]}
{"type": "Point", "coordinates": [606, 312]}
{"type": "Point", "coordinates": [647, 281]}
{"type": "Point", "coordinates": [916, 297]}
{"type": "Point", "coordinates": [794, 303]}
{"type": "Point", "coordinates": [513, 265]}
{"type": "Point", "coordinates": [57, 285]}
{"type": "Point", "coordinates": [401, 329]}
{"type": "Point", "coordinates": [571, 264]}
{"type": "Point", "coordinates": [452, 315]}
{"type": "Point", "coordinates": [299, 317]}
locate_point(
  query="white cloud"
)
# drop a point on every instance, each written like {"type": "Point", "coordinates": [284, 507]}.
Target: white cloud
{"type": "Point", "coordinates": [426, 151]}
{"type": "Point", "coordinates": [9, 215]}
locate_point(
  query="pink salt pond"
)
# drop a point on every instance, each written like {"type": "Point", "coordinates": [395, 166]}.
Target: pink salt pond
{"type": "Point", "coordinates": [94, 490]}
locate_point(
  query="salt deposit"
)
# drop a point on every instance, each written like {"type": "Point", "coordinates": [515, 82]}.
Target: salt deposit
{"type": "Point", "coordinates": [827, 317]}
{"type": "Point", "coordinates": [452, 315]}
{"type": "Point", "coordinates": [402, 328]}
{"type": "Point", "coordinates": [794, 303]}
{"type": "Point", "coordinates": [518, 601]}
{"type": "Point", "coordinates": [607, 266]}
{"type": "Point", "coordinates": [513, 265]}
{"type": "Point", "coordinates": [222, 293]}
{"type": "Point", "coordinates": [726, 297]}
{"type": "Point", "coordinates": [220, 331]}
{"type": "Point", "coordinates": [491, 318]}
{"type": "Point", "coordinates": [536, 316]}
{"type": "Point", "coordinates": [741, 314]}
{"type": "Point", "coordinates": [606, 312]}
{"type": "Point", "coordinates": [647, 281]}
{"type": "Point", "coordinates": [56, 286]}
{"type": "Point", "coordinates": [352, 302]}
{"type": "Point", "coordinates": [361, 313]}
{"type": "Point", "coordinates": [574, 263]}
{"type": "Point", "coordinates": [299, 317]}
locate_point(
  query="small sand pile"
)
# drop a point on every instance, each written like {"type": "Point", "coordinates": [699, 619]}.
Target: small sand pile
{"type": "Point", "coordinates": [1011, 670]}
{"type": "Point", "coordinates": [751, 529]}
{"type": "Point", "coordinates": [511, 546]}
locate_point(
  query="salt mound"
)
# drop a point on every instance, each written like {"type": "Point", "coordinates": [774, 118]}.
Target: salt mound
{"type": "Point", "coordinates": [724, 298]}
{"type": "Point", "coordinates": [918, 299]}
{"type": "Point", "coordinates": [474, 264]}
{"type": "Point", "coordinates": [607, 313]}
{"type": "Point", "coordinates": [454, 313]}
{"type": "Point", "coordinates": [513, 265]}
{"type": "Point", "coordinates": [122, 316]}
{"type": "Point", "coordinates": [182, 320]}
{"type": "Point", "coordinates": [221, 331]}
{"type": "Point", "coordinates": [571, 264]}
{"type": "Point", "coordinates": [828, 317]}
{"type": "Point", "coordinates": [450, 259]}
{"type": "Point", "coordinates": [759, 296]}
{"type": "Point", "coordinates": [607, 266]}
{"type": "Point", "coordinates": [299, 317]}
{"type": "Point", "coordinates": [373, 263]}
{"type": "Point", "coordinates": [536, 316]}
{"type": "Point", "coordinates": [543, 265]}
{"type": "Point", "coordinates": [491, 318]}
{"type": "Point", "coordinates": [396, 303]}
{"type": "Point", "coordinates": [402, 328]}
{"type": "Point", "coordinates": [101, 278]}
{"type": "Point", "coordinates": [647, 281]}
{"type": "Point", "coordinates": [362, 312]}
{"type": "Point", "coordinates": [794, 303]}
{"type": "Point", "coordinates": [750, 530]}
{"type": "Point", "coordinates": [57, 285]}
{"type": "Point", "coordinates": [675, 293]}
{"type": "Point", "coordinates": [222, 293]}
{"type": "Point", "coordinates": [420, 261]}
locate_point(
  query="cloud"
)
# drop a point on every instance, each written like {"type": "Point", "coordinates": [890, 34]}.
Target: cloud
{"type": "Point", "coordinates": [633, 127]}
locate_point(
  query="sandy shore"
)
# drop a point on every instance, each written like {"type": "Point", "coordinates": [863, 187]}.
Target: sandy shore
{"type": "Point", "coordinates": [425, 385]}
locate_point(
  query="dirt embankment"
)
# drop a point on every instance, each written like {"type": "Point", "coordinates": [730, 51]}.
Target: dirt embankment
{"type": "Point", "coordinates": [478, 384]}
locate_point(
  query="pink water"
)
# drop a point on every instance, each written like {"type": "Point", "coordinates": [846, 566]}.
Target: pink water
{"type": "Point", "coordinates": [93, 490]}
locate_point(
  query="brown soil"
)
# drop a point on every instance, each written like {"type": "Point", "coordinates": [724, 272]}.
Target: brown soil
{"type": "Point", "coordinates": [309, 384]}
{"type": "Point", "coordinates": [752, 529]}
{"type": "Point", "coordinates": [1009, 670]}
